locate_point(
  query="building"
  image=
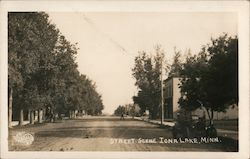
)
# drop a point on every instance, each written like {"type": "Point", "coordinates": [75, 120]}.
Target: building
{"type": "Point", "coordinates": [171, 107]}
{"type": "Point", "coordinates": [172, 95]}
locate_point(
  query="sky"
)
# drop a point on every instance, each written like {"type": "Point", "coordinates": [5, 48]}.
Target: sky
{"type": "Point", "coordinates": [109, 41]}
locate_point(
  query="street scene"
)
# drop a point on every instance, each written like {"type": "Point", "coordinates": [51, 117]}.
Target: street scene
{"type": "Point", "coordinates": [110, 134]}
{"type": "Point", "coordinates": [86, 81]}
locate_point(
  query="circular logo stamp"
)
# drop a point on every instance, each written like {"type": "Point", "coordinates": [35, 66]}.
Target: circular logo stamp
{"type": "Point", "coordinates": [24, 138]}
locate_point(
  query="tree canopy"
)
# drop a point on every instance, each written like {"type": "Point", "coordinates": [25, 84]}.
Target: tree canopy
{"type": "Point", "coordinates": [147, 73]}
{"type": "Point", "coordinates": [210, 79]}
{"type": "Point", "coordinates": [42, 68]}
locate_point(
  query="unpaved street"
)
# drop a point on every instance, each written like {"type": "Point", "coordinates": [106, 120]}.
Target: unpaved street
{"type": "Point", "coordinates": [103, 134]}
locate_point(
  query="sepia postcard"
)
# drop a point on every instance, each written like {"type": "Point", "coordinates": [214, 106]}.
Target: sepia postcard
{"type": "Point", "coordinates": [124, 79]}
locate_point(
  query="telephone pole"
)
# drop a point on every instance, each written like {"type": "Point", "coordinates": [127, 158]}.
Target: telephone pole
{"type": "Point", "coordinates": [162, 96]}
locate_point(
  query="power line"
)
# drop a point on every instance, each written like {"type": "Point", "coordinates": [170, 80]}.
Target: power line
{"type": "Point", "coordinates": [114, 42]}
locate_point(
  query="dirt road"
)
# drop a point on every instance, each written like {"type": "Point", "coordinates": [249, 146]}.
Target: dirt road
{"type": "Point", "coordinates": [103, 134]}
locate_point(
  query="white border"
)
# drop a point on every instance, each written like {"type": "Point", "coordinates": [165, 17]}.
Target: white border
{"type": "Point", "coordinates": [241, 7]}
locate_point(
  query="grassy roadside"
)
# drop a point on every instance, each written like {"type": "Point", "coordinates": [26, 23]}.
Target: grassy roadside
{"type": "Point", "coordinates": [231, 124]}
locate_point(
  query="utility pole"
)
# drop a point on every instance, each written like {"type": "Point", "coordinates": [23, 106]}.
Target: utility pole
{"type": "Point", "coordinates": [162, 96]}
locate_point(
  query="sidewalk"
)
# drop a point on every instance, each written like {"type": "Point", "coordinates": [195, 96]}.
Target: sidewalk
{"type": "Point", "coordinates": [221, 132]}
{"type": "Point", "coordinates": [15, 123]}
{"type": "Point", "coordinates": [165, 123]}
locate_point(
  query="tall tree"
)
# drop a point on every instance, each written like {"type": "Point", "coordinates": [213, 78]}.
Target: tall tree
{"type": "Point", "coordinates": [222, 73]}
{"type": "Point", "coordinates": [30, 38]}
{"type": "Point", "coordinates": [42, 69]}
{"type": "Point", "coordinates": [210, 80]}
{"type": "Point", "coordinates": [176, 66]}
{"type": "Point", "coordinates": [147, 72]}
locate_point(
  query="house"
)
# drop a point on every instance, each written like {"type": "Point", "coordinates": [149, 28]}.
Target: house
{"type": "Point", "coordinates": [172, 95]}
{"type": "Point", "coordinates": [171, 107]}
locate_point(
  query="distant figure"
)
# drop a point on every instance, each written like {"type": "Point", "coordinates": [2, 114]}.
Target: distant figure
{"type": "Point", "coordinates": [122, 117]}
{"type": "Point", "coordinates": [49, 114]}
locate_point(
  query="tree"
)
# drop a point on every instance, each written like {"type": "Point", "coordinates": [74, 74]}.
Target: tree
{"type": "Point", "coordinates": [30, 38]}
{"type": "Point", "coordinates": [191, 82]}
{"type": "Point", "coordinates": [65, 83]}
{"type": "Point", "coordinates": [119, 110]}
{"type": "Point", "coordinates": [42, 69]}
{"type": "Point", "coordinates": [176, 66]}
{"type": "Point", "coordinates": [210, 79]}
{"type": "Point", "coordinates": [147, 72]}
{"type": "Point", "coordinates": [222, 73]}
{"type": "Point", "coordinates": [73, 91]}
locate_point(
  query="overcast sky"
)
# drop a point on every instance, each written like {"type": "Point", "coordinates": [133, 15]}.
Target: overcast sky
{"type": "Point", "coordinates": [109, 41]}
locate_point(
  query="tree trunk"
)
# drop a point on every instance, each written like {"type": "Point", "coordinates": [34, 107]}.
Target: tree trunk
{"type": "Point", "coordinates": [70, 114]}
{"type": "Point", "coordinates": [44, 113]}
{"type": "Point", "coordinates": [73, 114]}
{"type": "Point", "coordinates": [29, 115]}
{"type": "Point", "coordinates": [35, 117]}
{"type": "Point", "coordinates": [208, 113]}
{"type": "Point", "coordinates": [10, 108]}
{"type": "Point", "coordinates": [40, 115]}
{"type": "Point", "coordinates": [21, 117]}
{"type": "Point", "coordinates": [153, 114]}
{"type": "Point", "coordinates": [212, 117]}
{"type": "Point", "coordinates": [32, 117]}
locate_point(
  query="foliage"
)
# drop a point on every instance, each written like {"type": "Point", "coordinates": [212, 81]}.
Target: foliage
{"type": "Point", "coordinates": [119, 110]}
{"type": "Point", "coordinates": [147, 73]}
{"type": "Point", "coordinates": [176, 66]}
{"type": "Point", "coordinates": [129, 109]}
{"type": "Point", "coordinates": [42, 68]}
{"type": "Point", "coordinates": [30, 41]}
{"type": "Point", "coordinates": [210, 79]}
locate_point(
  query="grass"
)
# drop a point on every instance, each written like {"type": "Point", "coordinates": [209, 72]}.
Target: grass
{"type": "Point", "coordinates": [227, 124]}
